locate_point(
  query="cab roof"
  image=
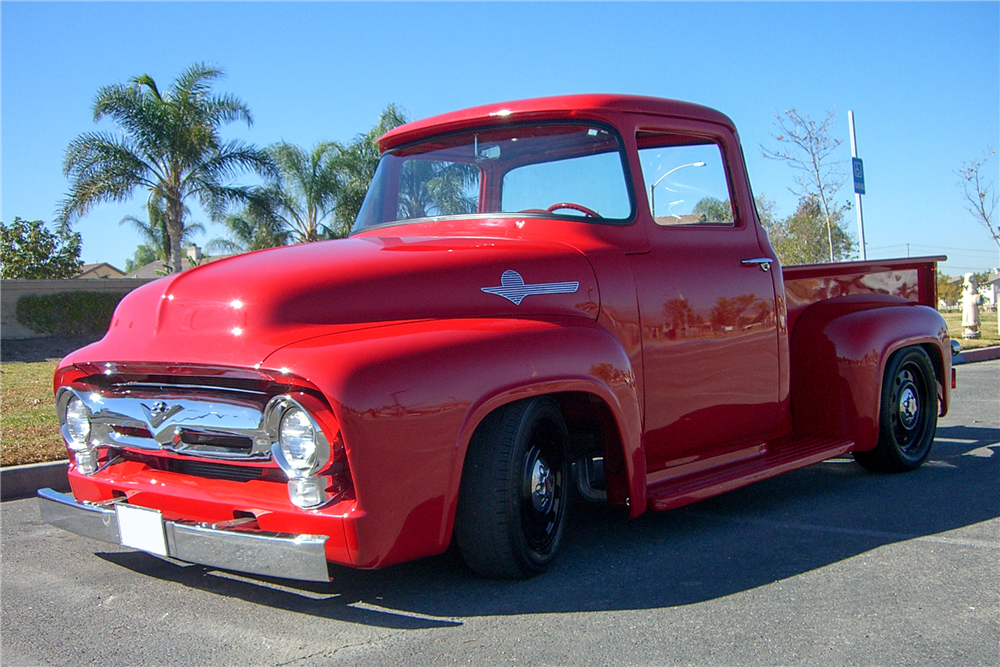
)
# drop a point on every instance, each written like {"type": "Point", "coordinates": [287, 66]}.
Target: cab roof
{"type": "Point", "coordinates": [562, 107]}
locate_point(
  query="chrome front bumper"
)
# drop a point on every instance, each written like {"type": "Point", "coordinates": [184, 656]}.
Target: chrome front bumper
{"type": "Point", "coordinates": [271, 554]}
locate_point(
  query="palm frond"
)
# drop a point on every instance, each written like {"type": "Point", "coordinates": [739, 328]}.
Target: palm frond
{"type": "Point", "coordinates": [231, 159]}
{"type": "Point", "coordinates": [145, 80]}
{"type": "Point", "coordinates": [103, 169]}
{"type": "Point", "coordinates": [227, 109]}
{"type": "Point", "coordinates": [195, 80]}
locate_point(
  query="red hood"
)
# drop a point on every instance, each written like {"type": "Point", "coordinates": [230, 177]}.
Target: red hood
{"type": "Point", "coordinates": [237, 311]}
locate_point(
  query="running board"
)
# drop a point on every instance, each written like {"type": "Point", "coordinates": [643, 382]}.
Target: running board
{"type": "Point", "coordinates": [777, 458]}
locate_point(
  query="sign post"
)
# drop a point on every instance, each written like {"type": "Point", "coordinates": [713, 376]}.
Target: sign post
{"type": "Point", "coordinates": [858, 170]}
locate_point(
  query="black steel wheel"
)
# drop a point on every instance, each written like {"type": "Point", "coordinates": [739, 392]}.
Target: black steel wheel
{"type": "Point", "coordinates": [515, 491]}
{"type": "Point", "coordinates": [908, 415]}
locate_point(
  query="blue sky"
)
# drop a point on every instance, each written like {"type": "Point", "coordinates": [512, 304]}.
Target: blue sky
{"type": "Point", "coordinates": [922, 78]}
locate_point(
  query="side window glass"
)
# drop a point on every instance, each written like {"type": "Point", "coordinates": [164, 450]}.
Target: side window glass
{"type": "Point", "coordinates": [686, 184]}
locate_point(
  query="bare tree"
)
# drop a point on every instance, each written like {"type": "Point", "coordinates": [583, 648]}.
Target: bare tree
{"type": "Point", "coordinates": [807, 146]}
{"type": "Point", "coordinates": [980, 195]}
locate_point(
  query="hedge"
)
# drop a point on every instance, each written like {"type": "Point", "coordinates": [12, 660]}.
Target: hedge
{"type": "Point", "coordinates": [68, 313]}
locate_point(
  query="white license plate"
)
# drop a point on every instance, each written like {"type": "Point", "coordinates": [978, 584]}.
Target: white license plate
{"type": "Point", "coordinates": [141, 528]}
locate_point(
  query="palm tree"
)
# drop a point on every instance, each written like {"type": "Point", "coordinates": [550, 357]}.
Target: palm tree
{"type": "Point", "coordinates": [154, 230]}
{"type": "Point", "coordinates": [256, 227]}
{"type": "Point", "coordinates": [170, 145]}
{"type": "Point", "coordinates": [356, 165]}
{"type": "Point", "coordinates": [306, 188]}
{"type": "Point", "coordinates": [435, 188]}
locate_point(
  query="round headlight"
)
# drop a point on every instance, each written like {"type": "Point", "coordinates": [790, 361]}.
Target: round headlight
{"type": "Point", "coordinates": [297, 439]}
{"type": "Point", "coordinates": [77, 424]}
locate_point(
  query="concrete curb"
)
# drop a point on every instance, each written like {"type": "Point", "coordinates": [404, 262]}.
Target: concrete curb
{"type": "Point", "coordinates": [24, 481]}
{"type": "Point", "coordinates": [982, 354]}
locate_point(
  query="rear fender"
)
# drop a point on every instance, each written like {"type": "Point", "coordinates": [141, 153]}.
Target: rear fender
{"type": "Point", "coordinates": [839, 350]}
{"type": "Point", "coordinates": [408, 398]}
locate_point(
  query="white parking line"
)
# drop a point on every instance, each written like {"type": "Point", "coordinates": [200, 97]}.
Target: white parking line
{"type": "Point", "coordinates": [982, 452]}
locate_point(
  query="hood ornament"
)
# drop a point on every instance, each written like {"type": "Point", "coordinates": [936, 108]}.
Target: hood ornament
{"type": "Point", "coordinates": [513, 289]}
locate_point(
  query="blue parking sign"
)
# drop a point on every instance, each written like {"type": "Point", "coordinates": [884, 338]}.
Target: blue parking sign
{"type": "Point", "coordinates": [859, 175]}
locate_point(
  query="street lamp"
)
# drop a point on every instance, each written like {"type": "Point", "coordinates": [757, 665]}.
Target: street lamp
{"type": "Point", "coordinates": [652, 188]}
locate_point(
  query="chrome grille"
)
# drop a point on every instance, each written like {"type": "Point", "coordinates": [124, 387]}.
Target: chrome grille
{"type": "Point", "coordinates": [219, 424]}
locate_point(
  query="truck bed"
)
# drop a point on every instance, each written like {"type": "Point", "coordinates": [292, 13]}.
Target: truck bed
{"type": "Point", "coordinates": [912, 278]}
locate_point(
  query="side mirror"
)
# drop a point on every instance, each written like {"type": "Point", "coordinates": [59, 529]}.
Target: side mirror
{"type": "Point", "coordinates": [956, 348]}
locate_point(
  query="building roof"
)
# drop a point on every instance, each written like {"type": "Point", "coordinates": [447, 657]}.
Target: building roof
{"type": "Point", "coordinates": [158, 269]}
{"type": "Point", "coordinates": [100, 270]}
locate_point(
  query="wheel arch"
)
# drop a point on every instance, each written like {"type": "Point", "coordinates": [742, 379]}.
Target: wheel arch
{"type": "Point", "coordinates": [587, 406]}
{"type": "Point", "coordinates": [408, 398]}
{"type": "Point", "coordinates": [839, 352]}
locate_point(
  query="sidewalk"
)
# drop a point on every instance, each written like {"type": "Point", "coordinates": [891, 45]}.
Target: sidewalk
{"type": "Point", "coordinates": [982, 354]}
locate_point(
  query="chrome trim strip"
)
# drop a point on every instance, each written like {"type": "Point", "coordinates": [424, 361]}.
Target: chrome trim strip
{"type": "Point", "coordinates": [185, 387]}
{"type": "Point", "coordinates": [283, 555]}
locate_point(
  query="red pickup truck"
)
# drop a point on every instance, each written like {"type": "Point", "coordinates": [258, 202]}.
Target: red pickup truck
{"type": "Point", "coordinates": [540, 299]}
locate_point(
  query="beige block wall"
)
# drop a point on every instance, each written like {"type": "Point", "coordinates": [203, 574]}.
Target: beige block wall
{"type": "Point", "coordinates": [12, 290]}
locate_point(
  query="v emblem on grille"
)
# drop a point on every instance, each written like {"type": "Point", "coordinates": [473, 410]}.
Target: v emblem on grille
{"type": "Point", "coordinates": [159, 412]}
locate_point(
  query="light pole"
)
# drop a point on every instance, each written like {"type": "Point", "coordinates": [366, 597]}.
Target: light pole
{"type": "Point", "coordinates": [858, 192]}
{"type": "Point", "coordinates": [652, 188]}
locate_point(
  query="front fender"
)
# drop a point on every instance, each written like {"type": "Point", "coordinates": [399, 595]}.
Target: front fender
{"type": "Point", "coordinates": [408, 398]}
{"type": "Point", "coordinates": [839, 350]}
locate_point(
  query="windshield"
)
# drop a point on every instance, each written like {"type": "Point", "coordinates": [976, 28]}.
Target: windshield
{"type": "Point", "coordinates": [546, 170]}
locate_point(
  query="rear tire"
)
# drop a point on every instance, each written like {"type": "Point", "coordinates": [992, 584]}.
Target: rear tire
{"type": "Point", "coordinates": [514, 496]}
{"type": "Point", "coordinates": [908, 415]}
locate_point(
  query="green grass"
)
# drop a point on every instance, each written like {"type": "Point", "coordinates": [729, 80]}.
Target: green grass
{"type": "Point", "coordinates": [29, 432]}
{"type": "Point", "coordinates": [987, 329]}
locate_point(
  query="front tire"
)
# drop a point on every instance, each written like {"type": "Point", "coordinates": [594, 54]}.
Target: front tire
{"type": "Point", "coordinates": [515, 491]}
{"type": "Point", "coordinates": [908, 415]}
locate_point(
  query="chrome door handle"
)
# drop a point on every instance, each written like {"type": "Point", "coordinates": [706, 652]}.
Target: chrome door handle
{"type": "Point", "coordinates": [763, 262]}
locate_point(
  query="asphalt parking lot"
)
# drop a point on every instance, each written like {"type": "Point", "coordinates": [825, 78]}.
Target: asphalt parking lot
{"type": "Point", "coordinates": [829, 565]}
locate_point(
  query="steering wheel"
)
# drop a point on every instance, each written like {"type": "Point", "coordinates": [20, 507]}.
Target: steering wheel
{"type": "Point", "coordinates": [575, 207]}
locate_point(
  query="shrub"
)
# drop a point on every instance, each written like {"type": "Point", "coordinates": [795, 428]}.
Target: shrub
{"type": "Point", "coordinates": [68, 313]}
{"type": "Point", "coordinates": [29, 250]}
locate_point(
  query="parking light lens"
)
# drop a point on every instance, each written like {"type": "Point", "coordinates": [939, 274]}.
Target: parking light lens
{"type": "Point", "coordinates": [308, 492]}
{"type": "Point", "coordinates": [86, 461]}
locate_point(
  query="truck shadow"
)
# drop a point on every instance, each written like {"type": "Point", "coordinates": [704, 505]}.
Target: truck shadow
{"type": "Point", "coordinates": [751, 537]}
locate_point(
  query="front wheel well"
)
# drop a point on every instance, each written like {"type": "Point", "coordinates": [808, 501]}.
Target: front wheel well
{"type": "Point", "coordinates": [593, 432]}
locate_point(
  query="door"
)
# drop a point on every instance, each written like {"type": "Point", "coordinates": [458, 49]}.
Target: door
{"type": "Point", "coordinates": [707, 309]}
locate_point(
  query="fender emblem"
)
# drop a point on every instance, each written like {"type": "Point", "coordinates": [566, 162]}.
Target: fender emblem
{"type": "Point", "coordinates": [513, 289]}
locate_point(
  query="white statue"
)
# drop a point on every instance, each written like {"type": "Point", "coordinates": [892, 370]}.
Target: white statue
{"type": "Point", "coordinates": [970, 307]}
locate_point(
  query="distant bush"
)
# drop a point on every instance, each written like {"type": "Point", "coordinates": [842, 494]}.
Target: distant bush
{"type": "Point", "coordinates": [68, 313]}
{"type": "Point", "coordinates": [29, 250]}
